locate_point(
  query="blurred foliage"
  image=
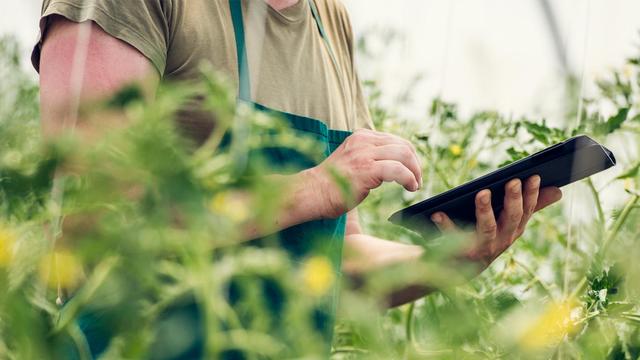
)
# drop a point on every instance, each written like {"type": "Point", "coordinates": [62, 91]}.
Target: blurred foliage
{"type": "Point", "coordinates": [137, 222]}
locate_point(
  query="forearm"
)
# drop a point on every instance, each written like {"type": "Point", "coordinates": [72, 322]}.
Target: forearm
{"type": "Point", "coordinates": [366, 255]}
{"type": "Point", "coordinates": [301, 199]}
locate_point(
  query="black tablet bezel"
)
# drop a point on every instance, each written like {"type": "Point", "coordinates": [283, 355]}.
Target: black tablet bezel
{"type": "Point", "coordinates": [523, 168]}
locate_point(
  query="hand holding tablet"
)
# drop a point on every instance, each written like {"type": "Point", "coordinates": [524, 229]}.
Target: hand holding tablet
{"type": "Point", "coordinates": [558, 165]}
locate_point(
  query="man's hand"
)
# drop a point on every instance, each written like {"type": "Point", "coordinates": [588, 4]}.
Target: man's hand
{"type": "Point", "coordinates": [365, 159]}
{"type": "Point", "coordinates": [492, 237]}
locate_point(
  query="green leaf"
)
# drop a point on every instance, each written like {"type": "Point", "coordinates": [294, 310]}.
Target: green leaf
{"type": "Point", "coordinates": [631, 173]}
{"type": "Point", "coordinates": [616, 121]}
{"type": "Point", "coordinates": [581, 129]}
{"type": "Point", "coordinates": [125, 96]}
{"type": "Point", "coordinates": [618, 307]}
{"type": "Point", "coordinates": [539, 132]}
{"type": "Point", "coordinates": [545, 134]}
{"type": "Point", "coordinates": [515, 155]}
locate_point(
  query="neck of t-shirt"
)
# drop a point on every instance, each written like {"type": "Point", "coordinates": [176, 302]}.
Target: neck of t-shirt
{"type": "Point", "coordinates": [294, 13]}
{"type": "Point", "coordinates": [281, 5]}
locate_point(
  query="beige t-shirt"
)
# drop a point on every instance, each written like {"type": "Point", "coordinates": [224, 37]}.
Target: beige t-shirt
{"type": "Point", "coordinates": [290, 66]}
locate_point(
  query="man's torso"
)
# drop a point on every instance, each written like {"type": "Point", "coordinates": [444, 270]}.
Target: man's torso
{"type": "Point", "coordinates": [291, 67]}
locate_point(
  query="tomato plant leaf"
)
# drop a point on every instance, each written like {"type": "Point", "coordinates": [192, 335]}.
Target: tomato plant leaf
{"type": "Point", "coordinates": [615, 122]}
{"type": "Point", "coordinates": [631, 173]}
{"type": "Point", "coordinates": [618, 307]}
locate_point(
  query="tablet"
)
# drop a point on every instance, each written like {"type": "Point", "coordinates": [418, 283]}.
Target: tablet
{"type": "Point", "coordinates": [561, 164]}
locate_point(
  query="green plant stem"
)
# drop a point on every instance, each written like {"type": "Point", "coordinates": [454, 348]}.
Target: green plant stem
{"type": "Point", "coordinates": [542, 284]}
{"type": "Point", "coordinates": [85, 294]}
{"type": "Point", "coordinates": [615, 229]}
{"type": "Point", "coordinates": [80, 341]}
{"type": "Point", "coordinates": [349, 350]}
{"type": "Point", "coordinates": [579, 288]}
{"type": "Point", "coordinates": [596, 198]}
{"type": "Point", "coordinates": [408, 325]}
{"type": "Point", "coordinates": [569, 244]}
{"type": "Point", "coordinates": [474, 155]}
{"type": "Point", "coordinates": [430, 155]}
{"type": "Point", "coordinates": [589, 315]}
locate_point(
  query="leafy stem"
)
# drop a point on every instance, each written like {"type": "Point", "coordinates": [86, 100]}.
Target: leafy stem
{"type": "Point", "coordinates": [620, 221]}
{"type": "Point", "coordinates": [615, 230]}
{"type": "Point", "coordinates": [579, 288]}
{"type": "Point", "coordinates": [409, 323]}
{"type": "Point", "coordinates": [596, 198]}
{"type": "Point", "coordinates": [535, 277]}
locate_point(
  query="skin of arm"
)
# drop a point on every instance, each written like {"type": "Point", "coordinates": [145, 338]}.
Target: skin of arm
{"type": "Point", "coordinates": [81, 63]}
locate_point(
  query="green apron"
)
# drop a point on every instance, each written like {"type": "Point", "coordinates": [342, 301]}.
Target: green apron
{"type": "Point", "coordinates": [321, 237]}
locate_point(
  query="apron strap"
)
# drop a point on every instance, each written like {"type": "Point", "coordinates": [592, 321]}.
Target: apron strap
{"type": "Point", "coordinates": [244, 92]}
{"type": "Point", "coordinates": [323, 33]}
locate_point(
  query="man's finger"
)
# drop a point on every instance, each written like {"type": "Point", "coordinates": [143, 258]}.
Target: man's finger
{"type": "Point", "coordinates": [443, 222]}
{"type": "Point", "coordinates": [548, 196]}
{"type": "Point", "coordinates": [486, 227]}
{"type": "Point", "coordinates": [381, 139]}
{"type": "Point", "coordinates": [401, 153]}
{"type": "Point", "coordinates": [512, 212]}
{"type": "Point", "coordinates": [531, 192]}
{"type": "Point", "coordinates": [391, 170]}
{"type": "Point", "coordinates": [394, 139]}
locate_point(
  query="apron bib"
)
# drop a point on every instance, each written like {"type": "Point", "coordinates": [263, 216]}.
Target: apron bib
{"type": "Point", "coordinates": [321, 237]}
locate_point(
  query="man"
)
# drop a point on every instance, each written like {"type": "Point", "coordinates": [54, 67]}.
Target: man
{"type": "Point", "coordinates": [294, 57]}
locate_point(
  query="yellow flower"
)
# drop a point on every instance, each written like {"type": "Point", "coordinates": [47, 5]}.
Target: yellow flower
{"type": "Point", "coordinates": [230, 205]}
{"type": "Point", "coordinates": [7, 243]}
{"type": "Point", "coordinates": [455, 149]}
{"type": "Point", "coordinates": [317, 275]}
{"type": "Point", "coordinates": [61, 268]}
{"type": "Point", "coordinates": [550, 327]}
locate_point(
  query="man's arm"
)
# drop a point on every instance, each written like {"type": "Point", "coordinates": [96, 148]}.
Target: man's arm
{"type": "Point", "coordinates": [365, 253]}
{"type": "Point", "coordinates": [80, 62]}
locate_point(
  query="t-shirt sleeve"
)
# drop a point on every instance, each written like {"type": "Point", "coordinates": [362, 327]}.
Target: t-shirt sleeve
{"type": "Point", "coordinates": [140, 23]}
